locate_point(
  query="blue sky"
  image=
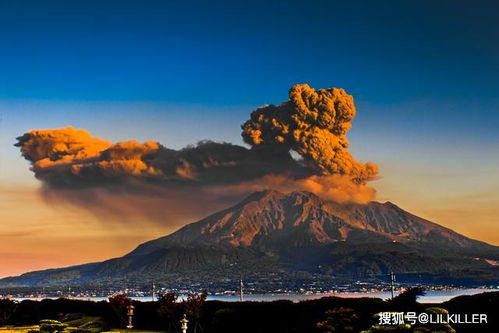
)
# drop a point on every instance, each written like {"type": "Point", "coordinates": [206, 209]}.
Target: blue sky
{"type": "Point", "coordinates": [422, 72]}
{"type": "Point", "coordinates": [225, 53]}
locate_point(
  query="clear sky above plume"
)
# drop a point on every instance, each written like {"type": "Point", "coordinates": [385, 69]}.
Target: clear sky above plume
{"type": "Point", "coordinates": [424, 76]}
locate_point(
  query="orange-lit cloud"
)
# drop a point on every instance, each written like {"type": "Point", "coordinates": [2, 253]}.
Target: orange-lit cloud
{"type": "Point", "coordinates": [147, 179]}
{"type": "Point", "coordinates": [314, 124]}
{"type": "Point", "coordinates": [338, 188]}
{"type": "Point", "coordinates": [61, 158]}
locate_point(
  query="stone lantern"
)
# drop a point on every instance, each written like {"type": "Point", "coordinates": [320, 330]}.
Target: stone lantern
{"type": "Point", "coordinates": [183, 324]}
{"type": "Point", "coordinates": [130, 309]}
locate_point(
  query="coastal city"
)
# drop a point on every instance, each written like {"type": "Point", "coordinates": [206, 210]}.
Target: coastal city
{"type": "Point", "coordinates": [240, 290]}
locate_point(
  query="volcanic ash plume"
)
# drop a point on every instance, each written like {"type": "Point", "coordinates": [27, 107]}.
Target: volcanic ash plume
{"type": "Point", "coordinates": [313, 124]}
{"type": "Point", "coordinates": [70, 157]}
{"type": "Point", "coordinates": [112, 178]}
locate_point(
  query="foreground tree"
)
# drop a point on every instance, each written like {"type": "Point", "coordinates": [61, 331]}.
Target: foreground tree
{"type": "Point", "coordinates": [193, 307]}
{"type": "Point", "coordinates": [407, 300]}
{"type": "Point", "coordinates": [168, 309]}
{"type": "Point", "coordinates": [7, 308]}
{"type": "Point", "coordinates": [119, 303]}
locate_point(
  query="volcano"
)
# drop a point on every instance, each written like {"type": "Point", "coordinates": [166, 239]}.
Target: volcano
{"type": "Point", "coordinates": [291, 236]}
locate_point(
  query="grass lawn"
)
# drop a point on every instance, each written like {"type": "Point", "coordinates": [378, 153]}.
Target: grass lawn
{"type": "Point", "coordinates": [17, 329]}
{"type": "Point", "coordinates": [92, 324]}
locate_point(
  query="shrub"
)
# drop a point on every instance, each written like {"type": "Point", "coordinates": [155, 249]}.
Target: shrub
{"type": "Point", "coordinates": [51, 326]}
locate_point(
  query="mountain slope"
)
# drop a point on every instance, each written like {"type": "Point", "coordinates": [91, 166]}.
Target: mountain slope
{"type": "Point", "coordinates": [271, 219]}
{"type": "Point", "coordinates": [274, 233]}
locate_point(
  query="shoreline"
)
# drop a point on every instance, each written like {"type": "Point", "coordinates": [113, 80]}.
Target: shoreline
{"type": "Point", "coordinates": [431, 296]}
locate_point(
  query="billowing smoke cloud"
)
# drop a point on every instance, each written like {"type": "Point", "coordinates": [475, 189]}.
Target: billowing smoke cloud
{"type": "Point", "coordinates": [337, 188]}
{"type": "Point", "coordinates": [131, 178]}
{"type": "Point", "coordinates": [314, 124]}
{"type": "Point", "coordinates": [72, 157]}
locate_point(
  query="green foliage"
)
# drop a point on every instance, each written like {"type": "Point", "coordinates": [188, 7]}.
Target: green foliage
{"type": "Point", "coordinates": [51, 326]}
{"type": "Point", "coordinates": [436, 310]}
{"type": "Point", "coordinates": [339, 320]}
{"type": "Point", "coordinates": [440, 328]}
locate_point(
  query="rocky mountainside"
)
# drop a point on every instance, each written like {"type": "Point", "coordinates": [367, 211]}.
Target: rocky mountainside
{"type": "Point", "coordinates": [274, 233]}
{"type": "Point", "coordinates": [273, 220]}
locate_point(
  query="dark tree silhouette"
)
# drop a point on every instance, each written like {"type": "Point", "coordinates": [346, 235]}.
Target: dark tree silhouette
{"type": "Point", "coordinates": [168, 309]}
{"type": "Point", "coordinates": [408, 298]}
{"type": "Point", "coordinates": [7, 308]}
{"type": "Point", "coordinates": [119, 304]}
{"type": "Point", "coordinates": [193, 307]}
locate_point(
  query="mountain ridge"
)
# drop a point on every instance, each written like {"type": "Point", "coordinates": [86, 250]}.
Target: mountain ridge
{"type": "Point", "coordinates": [270, 232]}
{"type": "Point", "coordinates": [349, 216]}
